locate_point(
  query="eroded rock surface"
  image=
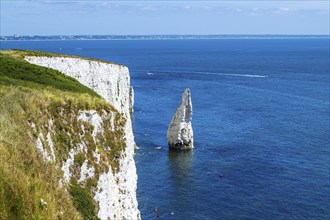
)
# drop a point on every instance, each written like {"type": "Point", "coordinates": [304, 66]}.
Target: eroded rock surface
{"type": "Point", "coordinates": [114, 192]}
{"type": "Point", "coordinates": [180, 132]}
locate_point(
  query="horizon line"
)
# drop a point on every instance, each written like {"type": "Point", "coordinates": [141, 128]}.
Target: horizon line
{"type": "Point", "coordinates": [52, 35]}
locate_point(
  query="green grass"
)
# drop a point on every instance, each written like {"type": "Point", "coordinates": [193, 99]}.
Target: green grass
{"type": "Point", "coordinates": [18, 72]}
{"type": "Point", "coordinates": [25, 177]}
{"type": "Point", "coordinates": [79, 159]}
{"type": "Point", "coordinates": [83, 201]}
{"type": "Point", "coordinates": [33, 94]}
{"type": "Point", "coordinates": [23, 53]}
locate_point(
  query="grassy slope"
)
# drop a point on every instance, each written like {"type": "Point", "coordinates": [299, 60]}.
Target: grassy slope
{"type": "Point", "coordinates": [16, 71]}
{"type": "Point", "coordinates": [32, 93]}
{"type": "Point", "coordinates": [25, 178]}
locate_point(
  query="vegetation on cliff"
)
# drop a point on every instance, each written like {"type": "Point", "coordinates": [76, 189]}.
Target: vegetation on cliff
{"type": "Point", "coordinates": [24, 53]}
{"type": "Point", "coordinates": [30, 186]}
{"type": "Point", "coordinates": [14, 70]}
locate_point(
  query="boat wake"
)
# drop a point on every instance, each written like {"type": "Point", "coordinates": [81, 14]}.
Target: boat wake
{"type": "Point", "coordinates": [212, 73]}
{"type": "Point", "coordinates": [238, 75]}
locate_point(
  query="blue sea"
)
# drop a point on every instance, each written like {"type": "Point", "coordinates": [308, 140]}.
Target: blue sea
{"type": "Point", "coordinates": [260, 120]}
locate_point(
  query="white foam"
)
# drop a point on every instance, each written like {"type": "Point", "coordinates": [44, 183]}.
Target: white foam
{"type": "Point", "coordinates": [233, 74]}
{"type": "Point", "coordinates": [241, 75]}
{"type": "Point", "coordinates": [218, 74]}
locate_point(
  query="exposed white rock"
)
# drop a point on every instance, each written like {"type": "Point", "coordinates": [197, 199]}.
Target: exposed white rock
{"type": "Point", "coordinates": [50, 123]}
{"type": "Point", "coordinates": [86, 172]}
{"type": "Point", "coordinates": [97, 155]}
{"type": "Point", "coordinates": [112, 122]}
{"type": "Point", "coordinates": [111, 81]}
{"type": "Point", "coordinates": [66, 166]}
{"type": "Point", "coordinates": [42, 148]}
{"type": "Point", "coordinates": [131, 99]}
{"type": "Point", "coordinates": [51, 147]}
{"type": "Point", "coordinates": [81, 148]}
{"type": "Point", "coordinates": [94, 119]}
{"type": "Point", "coordinates": [116, 193]}
{"type": "Point", "coordinates": [33, 126]}
{"type": "Point", "coordinates": [107, 196]}
{"type": "Point", "coordinates": [180, 132]}
{"type": "Point", "coordinates": [114, 201]}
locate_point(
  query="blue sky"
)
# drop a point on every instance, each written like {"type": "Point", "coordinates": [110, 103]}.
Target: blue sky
{"type": "Point", "coordinates": [69, 17]}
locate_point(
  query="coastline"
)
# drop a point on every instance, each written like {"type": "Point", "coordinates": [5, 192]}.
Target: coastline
{"type": "Point", "coordinates": [158, 37]}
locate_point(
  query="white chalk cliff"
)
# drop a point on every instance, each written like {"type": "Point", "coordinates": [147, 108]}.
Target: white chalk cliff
{"type": "Point", "coordinates": [180, 132]}
{"type": "Point", "coordinates": [115, 193]}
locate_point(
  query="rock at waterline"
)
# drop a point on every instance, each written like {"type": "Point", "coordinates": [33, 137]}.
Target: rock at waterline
{"type": "Point", "coordinates": [180, 132]}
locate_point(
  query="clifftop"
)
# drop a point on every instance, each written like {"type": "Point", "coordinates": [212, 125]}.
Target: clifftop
{"type": "Point", "coordinates": [25, 53]}
{"type": "Point", "coordinates": [64, 152]}
{"type": "Point", "coordinates": [14, 70]}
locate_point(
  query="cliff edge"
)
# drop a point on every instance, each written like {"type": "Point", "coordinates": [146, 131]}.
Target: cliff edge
{"type": "Point", "coordinates": [77, 128]}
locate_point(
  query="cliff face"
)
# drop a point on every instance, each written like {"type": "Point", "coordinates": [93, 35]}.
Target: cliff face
{"type": "Point", "coordinates": [113, 183]}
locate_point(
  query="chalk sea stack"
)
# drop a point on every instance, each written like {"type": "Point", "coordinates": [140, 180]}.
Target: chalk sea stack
{"type": "Point", "coordinates": [180, 132]}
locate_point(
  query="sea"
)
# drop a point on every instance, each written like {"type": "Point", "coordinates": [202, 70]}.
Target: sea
{"type": "Point", "coordinates": [260, 121]}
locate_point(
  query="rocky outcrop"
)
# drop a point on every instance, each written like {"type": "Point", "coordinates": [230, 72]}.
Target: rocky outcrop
{"type": "Point", "coordinates": [115, 192]}
{"type": "Point", "coordinates": [131, 99]}
{"type": "Point", "coordinates": [180, 132]}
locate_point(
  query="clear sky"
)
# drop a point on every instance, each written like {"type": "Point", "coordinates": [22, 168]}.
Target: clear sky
{"type": "Point", "coordinates": [70, 17]}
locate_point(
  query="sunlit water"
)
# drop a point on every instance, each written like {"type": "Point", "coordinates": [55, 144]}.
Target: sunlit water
{"type": "Point", "coordinates": [261, 120]}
